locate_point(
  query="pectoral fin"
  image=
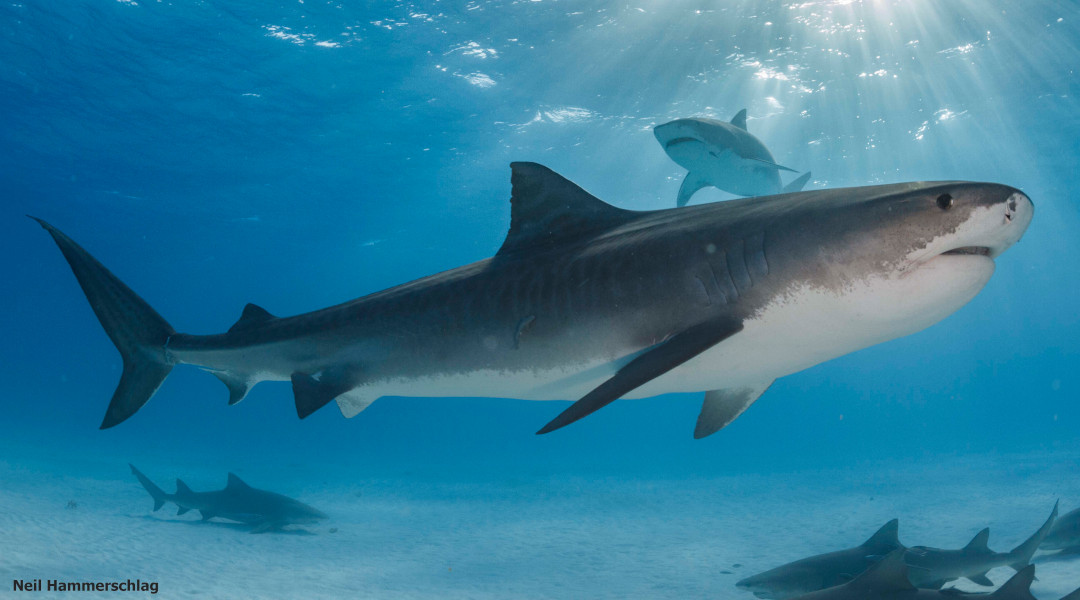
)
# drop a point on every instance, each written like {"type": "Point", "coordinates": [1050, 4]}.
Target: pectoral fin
{"type": "Point", "coordinates": [653, 363]}
{"type": "Point", "coordinates": [724, 406]}
{"type": "Point", "coordinates": [772, 164]}
{"type": "Point", "coordinates": [690, 185]}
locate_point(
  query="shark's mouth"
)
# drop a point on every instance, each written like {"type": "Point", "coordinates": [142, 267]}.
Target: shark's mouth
{"type": "Point", "coordinates": [970, 250]}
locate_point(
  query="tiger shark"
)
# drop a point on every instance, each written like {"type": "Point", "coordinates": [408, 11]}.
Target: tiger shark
{"type": "Point", "coordinates": [264, 510]}
{"type": "Point", "coordinates": [586, 300]}
{"type": "Point", "coordinates": [722, 155]}
{"type": "Point", "coordinates": [934, 567]}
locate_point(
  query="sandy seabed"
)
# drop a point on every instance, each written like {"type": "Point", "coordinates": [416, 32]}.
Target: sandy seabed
{"type": "Point", "coordinates": [396, 537]}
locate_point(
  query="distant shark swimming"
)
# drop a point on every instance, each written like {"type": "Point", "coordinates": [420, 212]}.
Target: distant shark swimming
{"type": "Point", "coordinates": [265, 511]}
{"type": "Point", "coordinates": [723, 155]}
{"type": "Point", "coordinates": [824, 570]}
{"type": "Point", "coordinates": [888, 580]}
{"type": "Point", "coordinates": [934, 567]}
{"type": "Point", "coordinates": [586, 300]}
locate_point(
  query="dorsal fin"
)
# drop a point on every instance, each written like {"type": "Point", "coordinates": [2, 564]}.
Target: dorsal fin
{"type": "Point", "coordinates": [182, 488]}
{"type": "Point", "coordinates": [547, 209]}
{"type": "Point", "coordinates": [888, 574]}
{"type": "Point", "coordinates": [979, 542]}
{"type": "Point", "coordinates": [235, 482]}
{"type": "Point", "coordinates": [887, 537]}
{"type": "Point", "coordinates": [252, 315]}
{"type": "Point", "coordinates": [739, 120]}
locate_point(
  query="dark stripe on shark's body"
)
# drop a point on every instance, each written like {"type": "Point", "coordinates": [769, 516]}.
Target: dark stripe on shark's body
{"type": "Point", "coordinates": [587, 300]}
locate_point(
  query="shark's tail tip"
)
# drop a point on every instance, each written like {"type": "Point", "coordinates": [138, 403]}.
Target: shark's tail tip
{"type": "Point", "coordinates": [137, 331]}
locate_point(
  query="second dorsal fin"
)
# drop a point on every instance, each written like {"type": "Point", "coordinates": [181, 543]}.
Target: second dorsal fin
{"type": "Point", "coordinates": [547, 209]}
{"type": "Point", "coordinates": [252, 315]}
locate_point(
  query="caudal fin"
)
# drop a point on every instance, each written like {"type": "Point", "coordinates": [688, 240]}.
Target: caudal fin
{"type": "Point", "coordinates": [156, 493]}
{"type": "Point", "coordinates": [138, 332]}
{"type": "Point", "coordinates": [1022, 554]}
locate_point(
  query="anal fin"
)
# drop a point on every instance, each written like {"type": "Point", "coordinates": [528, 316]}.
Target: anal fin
{"type": "Point", "coordinates": [651, 364]}
{"type": "Point", "coordinates": [721, 407]}
{"type": "Point", "coordinates": [239, 386]}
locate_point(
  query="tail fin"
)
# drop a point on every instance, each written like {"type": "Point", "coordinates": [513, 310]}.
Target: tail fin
{"type": "Point", "coordinates": [1073, 595]}
{"type": "Point", "coordinates": [1018, 587]}
{"type": "Point", "coordinates": [138, 332]}
{"type": "Point", "coordinates": [1022, 554]}
{"type": "Point", "coordinates": [158, 494]}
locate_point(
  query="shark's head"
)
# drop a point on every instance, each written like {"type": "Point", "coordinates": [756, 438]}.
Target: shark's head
{"type": "Point", "coordinates": [786, 582]}
{"type": "Point", "coordinates": [302, 514]}
{"type": "Point", "coordinates": [898, 258]}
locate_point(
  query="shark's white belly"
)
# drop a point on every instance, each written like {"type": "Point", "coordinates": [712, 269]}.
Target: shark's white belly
{"type": "Point", "coordinates": [798, 329]}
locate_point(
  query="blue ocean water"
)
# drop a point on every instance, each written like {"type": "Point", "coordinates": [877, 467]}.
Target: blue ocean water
{"type": "Point", "coordinates": [300, 154]}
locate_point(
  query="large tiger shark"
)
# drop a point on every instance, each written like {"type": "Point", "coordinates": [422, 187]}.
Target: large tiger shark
{"type": "Point", "coordinates": [586, 300]}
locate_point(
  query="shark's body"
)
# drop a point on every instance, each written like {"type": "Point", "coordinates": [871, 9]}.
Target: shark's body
{"type": "Point", "coordinates": [586, 300]}
{"type": "Point", "coordinates": [888, 580]}
{"type": "Point", "coordinates": [239, 502]}
{"type": "Point", "coordinates": [722, 155]}
{"type": "Point", "coordinates": [823, 570]}
{"type": "Point", "coordinates": [934, 567]}
{"type": "Point", "coordinates": [1065, 534]}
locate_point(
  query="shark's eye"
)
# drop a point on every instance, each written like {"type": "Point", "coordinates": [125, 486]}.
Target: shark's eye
{"type": "Point", "coordinates": [944, 201]}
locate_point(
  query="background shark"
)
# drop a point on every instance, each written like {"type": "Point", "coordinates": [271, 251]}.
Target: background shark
{"type": "Point", "coordinates": [1065, 534]}
{"type": "Point", "coordinates": [237, 502]}
{"type": "Point", "coordinates": [888, 580]}
{"type": "Point", "coordinates": [934, 567]}
{"type": "Point", "coordinates": [586, 300]}
{"type": "Point", "coordinates": [722, 155]}
{"type": "Point", "coordinates": [824, 570]}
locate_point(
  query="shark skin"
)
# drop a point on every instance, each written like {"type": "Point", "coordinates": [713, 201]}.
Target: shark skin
{"type": "Point", "coordinates": [888, 580]}
{"type": "Point", "coordinates": [1065, 534]}
{"type": "Point", "coordinates": [934, 567]}
{"type": "Point", "coordinates": [265, 511]}
{"type": "Point", "coordinates": [722, 155]}
{"type": "Point", "coordinates": [585, 300]}
{"type": "Point", "coordinates": [823, 570]}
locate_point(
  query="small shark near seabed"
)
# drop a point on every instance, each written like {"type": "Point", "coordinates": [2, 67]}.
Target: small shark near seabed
{"type": "Point", "coordinates": [824, 570]}
{"type": "Point", "coordinates": [1065, 534]}
{"type": "Point", "coordinates": [265, 511]}
{"type": "Point", "coordinates": [888, 580]}
{"type": "Point", "coordinates": [934, 567]}
{"type": "Point", "coordinates": [723, 155]}
{"type": "Point", "coordinates": [586, 300]}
